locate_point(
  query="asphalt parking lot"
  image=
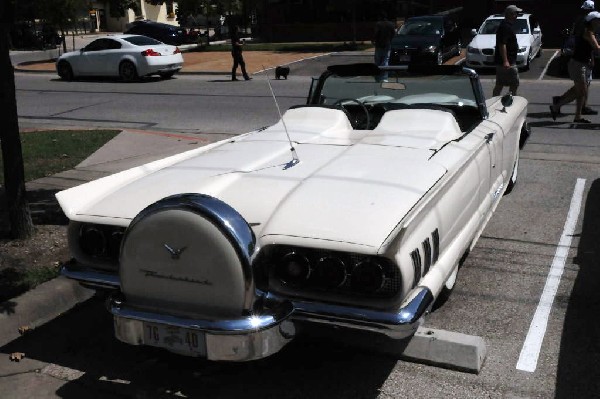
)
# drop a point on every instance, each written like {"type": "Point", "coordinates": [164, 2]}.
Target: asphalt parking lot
{"type": "Point", "coordinates": [529, 288]}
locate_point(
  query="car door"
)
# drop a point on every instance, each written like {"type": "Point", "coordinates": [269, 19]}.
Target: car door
{"type": "Point", "coordinates": [536, 34]}
{"type": "Point", "coordinates": [110, 58]}
{"type": "Point", "coordinates": [87, 62]}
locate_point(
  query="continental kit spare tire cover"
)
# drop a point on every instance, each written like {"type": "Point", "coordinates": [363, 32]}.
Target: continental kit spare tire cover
{"type": "Point", "coordinates": [188, 255]}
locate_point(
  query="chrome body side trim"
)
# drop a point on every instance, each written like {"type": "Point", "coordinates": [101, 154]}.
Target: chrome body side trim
{"type": "Point", "coordinates": [92, 278]}
{"type": "Point", "coordinates": [397, 324]}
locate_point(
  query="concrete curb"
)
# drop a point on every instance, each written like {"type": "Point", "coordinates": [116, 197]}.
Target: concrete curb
{"type": "Point", "coordinates": [38, 306]}
{"type": "Point", "coordinates": [208, 73]}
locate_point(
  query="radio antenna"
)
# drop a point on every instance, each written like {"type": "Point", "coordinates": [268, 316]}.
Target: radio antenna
{"type": "Point", "coordinates": [295, 160]}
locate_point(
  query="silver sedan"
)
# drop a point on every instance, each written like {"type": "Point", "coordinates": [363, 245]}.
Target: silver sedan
{"type": "Point", "coordinates": [126, 56]}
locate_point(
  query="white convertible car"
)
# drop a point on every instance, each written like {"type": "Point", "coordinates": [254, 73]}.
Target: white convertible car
{"type": "Point", "coordinates": [352, 211]}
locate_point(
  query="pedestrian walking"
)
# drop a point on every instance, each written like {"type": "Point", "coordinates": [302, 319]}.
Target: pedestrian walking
{"type": "Point", "coordinates": [382, 39]}
{"type": "Point", "coordinates": [505, 56]}
{"type": "Point", "coordinates": [577, 31]}
{"type": "Point", "coordinates": [236, 53]}
{"type": "Point", "coordinates": [580, 66]}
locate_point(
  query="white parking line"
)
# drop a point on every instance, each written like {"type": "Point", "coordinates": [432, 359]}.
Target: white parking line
{"type": "Point", "coordinates": [548, 64]}
{"type": "Point", "coordinates": [533, 343]}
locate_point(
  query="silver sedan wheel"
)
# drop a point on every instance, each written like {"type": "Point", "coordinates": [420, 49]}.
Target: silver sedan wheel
{"type": "Point", "coordinates": [127, 71]}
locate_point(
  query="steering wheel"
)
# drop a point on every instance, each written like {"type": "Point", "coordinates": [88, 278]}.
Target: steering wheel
{"type": "Point", "coordinates": [357, 123]}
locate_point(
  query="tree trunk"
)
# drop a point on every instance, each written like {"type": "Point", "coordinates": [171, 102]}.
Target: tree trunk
{"type": "Point", "coordinates": [21, 225]}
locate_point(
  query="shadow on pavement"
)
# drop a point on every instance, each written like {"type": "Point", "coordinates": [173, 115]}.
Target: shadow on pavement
{"type": "Point", "coordinates": [578, 372]}
{"type": "Point", "coordinates": [82, 340]}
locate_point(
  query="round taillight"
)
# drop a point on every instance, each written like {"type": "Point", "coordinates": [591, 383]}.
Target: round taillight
{"type": "Point", "coordinates": [368, 277]}
{"type": "Point", "coordinates": [294, 269]}
{"type": "Point", "coordinates": [114, 244]}
{"type": "Point", "coordinates": [92, 241]}
{"type": "Point", "coordinates": [330, 272]}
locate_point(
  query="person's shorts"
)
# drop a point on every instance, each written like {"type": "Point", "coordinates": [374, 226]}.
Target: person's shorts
{"type": "Point", "coordinates": [507, 76]}
{"type": "Point", "coordinates": [580, 71]}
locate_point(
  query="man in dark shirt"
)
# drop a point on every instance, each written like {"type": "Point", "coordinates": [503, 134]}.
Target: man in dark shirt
{"type": "Point", "coordinates": [236, 54]}
{"type": "Point", "coordinates": [507, 73]}
{"type": "Point", "coordinates": [384, 33]}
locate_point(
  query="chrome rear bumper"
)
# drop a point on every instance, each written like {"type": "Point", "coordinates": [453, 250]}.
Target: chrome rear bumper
{"type": "Point", "coordinates": [261, 335]}
{"type": "Point", "coordinates": [250, 338]}
{"type": "Point", "coordinates": [264, 333]}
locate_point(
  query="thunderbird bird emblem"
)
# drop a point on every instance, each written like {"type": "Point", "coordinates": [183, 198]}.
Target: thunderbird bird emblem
{"type": "Point", "coordinates": [175, 253]}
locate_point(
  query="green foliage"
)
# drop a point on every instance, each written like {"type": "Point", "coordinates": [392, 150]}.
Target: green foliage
{"type": "Point", "coordinates": [48, 152]}
{"type": "Point", "coordinates": [60, 12]}
{"type": "Point", "coordinates": [14, 281]}
{"type": "Point", "coordinates": [119, 7]}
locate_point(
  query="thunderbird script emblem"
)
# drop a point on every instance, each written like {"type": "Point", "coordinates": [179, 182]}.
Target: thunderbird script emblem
{"type": "Point", "coordinates": [175, 253]}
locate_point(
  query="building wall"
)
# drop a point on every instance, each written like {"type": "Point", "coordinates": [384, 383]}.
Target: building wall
{"type": "Point", "coordinates": [147, 11]}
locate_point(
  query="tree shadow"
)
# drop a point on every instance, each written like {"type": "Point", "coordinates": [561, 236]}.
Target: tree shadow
{"type": "Point", "coordinates": [578, 372]}
{"type": "Point", "coordinates": [309, 367]}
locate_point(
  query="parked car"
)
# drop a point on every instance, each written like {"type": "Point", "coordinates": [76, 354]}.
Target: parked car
{"type": "Point", "coordinates": [222, 251]}
{"type": "Point", "coordinates": [27, 35]}
{"type": "Point", "coordinates": [126, 56]}
{"type": "Point", "coordinates": [170, 34]}
{"type": "Point", "coordinates": [430, 39]}
{"type": "Point", "coordinates": [481, 50]}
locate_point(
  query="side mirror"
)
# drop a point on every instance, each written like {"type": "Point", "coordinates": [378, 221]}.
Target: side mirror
{"type": "Point", "coordinates": [473, 32]}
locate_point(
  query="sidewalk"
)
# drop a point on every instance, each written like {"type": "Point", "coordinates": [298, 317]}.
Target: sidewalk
{"type": "Point", "coordinates": [209, 62]}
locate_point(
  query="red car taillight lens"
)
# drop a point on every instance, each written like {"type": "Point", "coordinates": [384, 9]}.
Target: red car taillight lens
{"type": "Point", "coordinates": [150, 53]}
{"type": "Point", "coordinates": [177, 51]}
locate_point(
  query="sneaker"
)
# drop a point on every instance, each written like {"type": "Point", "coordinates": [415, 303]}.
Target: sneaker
{"type": "Point", "coordinates": [234, 79]}
{"type": "Point", "coordinates": [553, 112]}
{"type": "Point", "coordinates": [555, 101]}
{"type": "Point", "coordinates": [247, 78]}
{"type": "Point", "coordinates": [588, 111]}
{"type": "Point", "coordinates": [581, 120]}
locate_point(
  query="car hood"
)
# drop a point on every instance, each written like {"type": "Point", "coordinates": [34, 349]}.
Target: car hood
{"type": "Point", "coordinates": [489, 41]}
{"type": "Point", "coordinates": [346, 189]}
{"type": "Point", "coordinates": [401, 41]}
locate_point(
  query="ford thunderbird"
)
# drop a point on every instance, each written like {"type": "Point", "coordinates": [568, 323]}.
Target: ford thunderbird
{"type": "Point", "coordinates": [354, 211]}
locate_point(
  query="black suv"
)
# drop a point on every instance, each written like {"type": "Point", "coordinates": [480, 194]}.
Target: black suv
{"type": "Point", "coordinates": [429, 39]}
{"type": "Point", "coordinates": [165, 33]}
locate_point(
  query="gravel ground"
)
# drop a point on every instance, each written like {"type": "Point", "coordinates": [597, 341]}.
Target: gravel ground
{"type": "Point", "coordinates": [24, 262]}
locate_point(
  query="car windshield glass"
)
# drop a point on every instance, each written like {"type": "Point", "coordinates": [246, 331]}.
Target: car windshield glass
{"type": "Point", "coordinates": [401, 88]}
{"type": "Point", "coordinates": [141, 40]}
{"type": "Point", "coordinates": [490, 26]}
{"type": "Point", "coordinates": [421, 27]}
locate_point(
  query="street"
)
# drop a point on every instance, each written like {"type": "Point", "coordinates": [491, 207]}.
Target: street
{"type": "Point", "coordinates": [530, 287]}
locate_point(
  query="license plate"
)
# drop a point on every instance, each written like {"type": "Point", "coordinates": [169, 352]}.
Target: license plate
{"type": "Point", "coordinates": [175, 339]}
{"type": "Point", "coordinates": [404, 58]}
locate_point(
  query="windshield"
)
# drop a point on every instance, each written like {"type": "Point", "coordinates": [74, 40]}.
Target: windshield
{"type": "Point", "coordinates": [400, 89]}
{"type": "Point", "coordinates": [490, 26]}
{"type": "Point", "coordinates": [142, 41]}
{"type": "Point", "coordinates": [421, 27]}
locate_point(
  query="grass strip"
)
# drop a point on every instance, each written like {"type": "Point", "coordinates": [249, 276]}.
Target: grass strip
{"type": "Point", "coordinates": [47, 152]}
{"type": "Point", "coordinates": [15, 282]}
